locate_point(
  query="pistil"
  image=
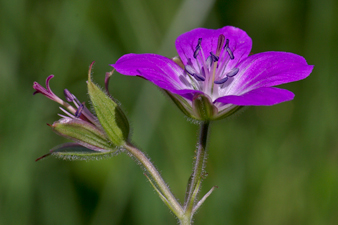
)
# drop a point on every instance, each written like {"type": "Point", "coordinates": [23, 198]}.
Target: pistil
{"type": "Point", "coordinates": [220, 43]}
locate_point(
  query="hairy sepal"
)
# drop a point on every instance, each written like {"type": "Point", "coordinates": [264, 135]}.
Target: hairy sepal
{"type": "Point", "coordinates": [110, 115]}
{"type": "Point", "coordinates": [203, 108]}
{"type": "Point", "coordinates": [73, 151]}
{"type": "Point", "coordinates": [83, 133]}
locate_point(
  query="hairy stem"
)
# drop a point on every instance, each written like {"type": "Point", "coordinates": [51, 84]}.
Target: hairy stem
{"type": "Point", "coordinates": [183, 214]}
{"type": "Point", "coordinates": [198, 169]}
{"type": "Point", "coordinates": [173, 204]}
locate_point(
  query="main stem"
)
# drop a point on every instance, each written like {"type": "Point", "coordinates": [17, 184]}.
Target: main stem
{"type": "Point", "coordinates": [183, 214]}
{"type": "Point", "coordinates": [197, 172]}
{"type": "Point", "coordinates": [140, 156]}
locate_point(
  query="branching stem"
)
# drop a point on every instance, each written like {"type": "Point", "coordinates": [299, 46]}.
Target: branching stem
{"type": "Point", "coordinates": [185, 213]}
{"type": "Point", "coordinates": [174, 205]}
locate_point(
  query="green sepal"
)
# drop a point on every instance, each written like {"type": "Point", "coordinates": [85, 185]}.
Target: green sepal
{"type": "Point", "coordinates": [203, 107]}
{"type": "Point", "coordinates": [222, 115]}
{"type": "Point", "coordinates": [73, 151]}
{"type": "Point", "coordinates": [84, 133]}
{"type": "Point", "coordinates": [110, 115]}
{"type": "Point", "coordinates": [178, 61]}
{"type": "Point", "coordinates": [182, 104]}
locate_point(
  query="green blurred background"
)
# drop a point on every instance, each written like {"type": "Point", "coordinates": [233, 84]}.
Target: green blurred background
{"type": "Point", "coordinates": [273, 165]}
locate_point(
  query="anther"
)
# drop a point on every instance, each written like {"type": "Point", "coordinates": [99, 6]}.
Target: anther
{"type": "Point", "coordinates": [231, 55]}
{"type": "Point", "coordinates": [198, 48]}
{"type": "Point", "coordinates": [79, 111]}
{"type": "Point", "coordinates": [221, 81]}
{"type": "Point", "coordinates": [233, 72]}
{"type": "Point", "coordinates": [190, 69]}
{"type": "Point", "coordinates": [226, 43]}
{"type": "Point", "coordinates": [199, 42]}
{"type": "Point", "coordinates": [199, 77]}
{"type": "Point", "coordinates": [184, 81]}
{"type": "Point", "coordinates": [69, 96]}
{"type": "Point", "coordinates": [214, 57]}
{"type": "Point", "coordinates": [209, 61]}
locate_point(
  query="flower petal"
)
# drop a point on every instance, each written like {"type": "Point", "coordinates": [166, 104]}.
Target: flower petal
{"type": "Point", "coordinates": [268, 69]}
{"type": "Point", "coordinates": [158, 69]}
{"type": "Point", "coordinates": [261, 96]}
{"type": "Point", "coordinates": [239, 42]}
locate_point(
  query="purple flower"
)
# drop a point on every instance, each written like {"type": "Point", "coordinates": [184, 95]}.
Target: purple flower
{"type": "Point", "coordinates": [215, 73]}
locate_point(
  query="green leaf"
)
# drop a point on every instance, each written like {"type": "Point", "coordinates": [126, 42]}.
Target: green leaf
{"type": "Point", "coordinates": [110, 115]}
{"type": "Point", "coordinates": [222, 115]}
{"type": "Point", "coordinates": [182, 104]}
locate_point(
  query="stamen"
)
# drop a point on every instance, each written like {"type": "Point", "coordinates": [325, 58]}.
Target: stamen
{"type": "Point", "coordinates": [76, 102]}
{"type": "Point", "coordinates": [66, 112]}
{"type": "Point", "coordinates": [231, 55]}
{"type": "Point", "coordinates": [199, 77]}
{"type": "Point", "coordinates": [63, 116]}
{"type": "Point", "coordinates": [233, 72]}
{"type": "Point", "coordinates": [203, 59]}
{"type": "Point", "coordinates": [202, 73]}
{"type": "Point", "coordinates": [209, 61]}
{"type": "Point", "coordinates": [69, 96]}
{"type": "Point", "coordinates": [198, 48]}
{"type": "Point", "coordinates": [214, 57]}
{"type": "Point", "coordinates": [184, 81]}
{"type": "Point", "coordinates": [226, 43]}
{"type": "Point", "coordinates": [199, 43]}
{"type": "Point", "coordinates": [221, 81]}
{"type": "Point", "coordinates": [220, 43]}
{"type": "Point", "coordinates": [190, 70]}
{"type": "Point", "coordinates": [79, 111]}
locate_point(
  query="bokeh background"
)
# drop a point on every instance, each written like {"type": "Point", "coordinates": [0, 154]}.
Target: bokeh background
{"type": "Point", "coordinates": [273, 165]}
